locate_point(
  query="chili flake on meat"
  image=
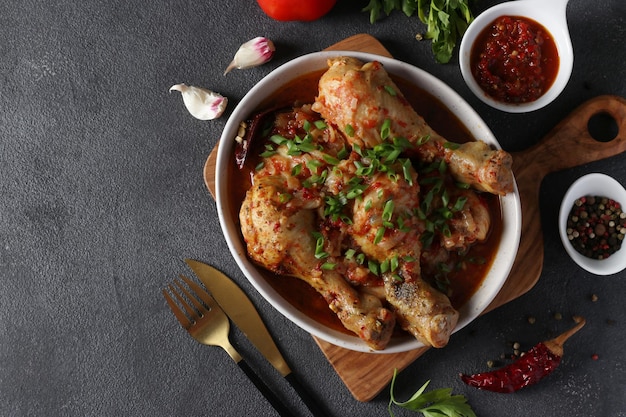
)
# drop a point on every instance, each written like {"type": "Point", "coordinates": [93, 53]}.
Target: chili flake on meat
{"type": "Point", "coordinates": [515, 60]}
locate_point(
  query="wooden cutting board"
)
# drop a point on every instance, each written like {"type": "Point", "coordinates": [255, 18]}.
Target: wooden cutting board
{"type": "Point", "coordinates": [568, 145]}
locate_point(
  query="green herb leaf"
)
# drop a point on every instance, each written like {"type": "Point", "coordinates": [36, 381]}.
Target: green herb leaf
{"type": "Point", "coordinates": [446, 20]}
{"type": "Point", "coordinates": [435, 403]}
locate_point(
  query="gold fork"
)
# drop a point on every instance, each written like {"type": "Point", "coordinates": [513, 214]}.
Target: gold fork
{"type": "Point", "coordinates": [208, 324]}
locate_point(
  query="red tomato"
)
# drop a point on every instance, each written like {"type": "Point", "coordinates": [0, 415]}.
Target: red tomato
{"type": "Point", "coordinates": [304, 10]}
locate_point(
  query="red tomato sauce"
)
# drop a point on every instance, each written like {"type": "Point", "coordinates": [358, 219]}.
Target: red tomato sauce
{"type": "Point", "coordinates": [514, 60]}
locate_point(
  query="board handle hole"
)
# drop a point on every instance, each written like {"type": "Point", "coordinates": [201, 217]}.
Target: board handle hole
{"type": "Point", "coordinates": [602, 127]}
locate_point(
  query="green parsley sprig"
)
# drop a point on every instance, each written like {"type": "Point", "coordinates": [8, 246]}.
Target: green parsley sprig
{"type": "Point", "coordinates": [446, 20]}
{"type": "Point", "coordinates": [435, 403]}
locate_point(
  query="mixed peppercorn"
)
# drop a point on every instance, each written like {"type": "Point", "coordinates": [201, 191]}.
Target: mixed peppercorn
{"type": "Point", "coordinates": [596, 226]}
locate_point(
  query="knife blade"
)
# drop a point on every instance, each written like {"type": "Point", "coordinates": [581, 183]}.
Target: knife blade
{"type": "Point", "coordinates": [238, 307]}
{"type": "Point", "coordinates": [241, 311]}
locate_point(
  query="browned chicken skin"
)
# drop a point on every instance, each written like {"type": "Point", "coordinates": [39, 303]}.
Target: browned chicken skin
{"type": "Point", "coordinates": [421, 310]}
{"type": "Point", "coordinates": [279, 236]}
{"type": "Point", "coordinates": [357, 98]}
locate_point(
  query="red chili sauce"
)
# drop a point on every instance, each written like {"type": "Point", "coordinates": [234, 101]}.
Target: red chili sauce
{"type": "Point", "coordinates": [514, 60]}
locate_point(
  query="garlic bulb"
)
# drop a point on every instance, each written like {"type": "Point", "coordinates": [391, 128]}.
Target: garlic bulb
{"type": "Point", "coordinates": [252, 53]}
{"type": "Point", "coordinates": [203, 104]}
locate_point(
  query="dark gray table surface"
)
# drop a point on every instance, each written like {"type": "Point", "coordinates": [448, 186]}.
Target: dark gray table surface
{"type": "Point", "coordinates": [102, 197]}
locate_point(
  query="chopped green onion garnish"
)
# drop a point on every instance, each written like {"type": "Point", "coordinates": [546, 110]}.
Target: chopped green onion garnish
{"type": "Point", "coordinates": [313, 164]}
{"type": "Point", "coordinates": [278, 139]}
{"type": "Point", "coordinates": [380, 233]}
{"type": "Point", "coordinates": [319, 246]}
{"type": "Point", "coordinates": [384, 266]}
{"type": "Point", "coordinates": [331, 159]}
{"type": "Point", "coordinates": [445, 198]}
{"type": "Point", "coordinates": [320, 124]}
{"type": "Point", "coordinates": [406, 170]}
{"type": "Point", "coordinates": [373, 267]}
{"type": "Point", "coordinates": [393, 263]}
{"type": "Point", "coordinates": [388, 210]}
{"type": "Point", "coordinates": [390, 90]}
{"type": "Point", "coordinates": [385, 129]}
{"type": "Point", "coordinates": [443, 167]}
{"type": "Point", "coordinates": [459, 204]}
{"type": "Point", "coordinates": [328, 266]}
{"type": "Point", "coordinates": [306, 126]}
{"type": "Point", "coordinates": [296, 170]}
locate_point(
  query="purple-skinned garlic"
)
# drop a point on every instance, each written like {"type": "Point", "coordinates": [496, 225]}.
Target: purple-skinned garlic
{"type": "Point", "coordinates": [203, 104]}
{"type": "Point", "coordinates": [255, 52]}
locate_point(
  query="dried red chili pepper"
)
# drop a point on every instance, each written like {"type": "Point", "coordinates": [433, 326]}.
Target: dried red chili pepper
{"type": "Point", "coordinates": [529, 369]}
{"type": "Point", "coordinates": [254, 127]}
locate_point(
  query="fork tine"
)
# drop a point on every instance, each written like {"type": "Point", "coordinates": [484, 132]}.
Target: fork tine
{"type": "Point", "coordinates": [191, 313]}
{"type": "Point", "coordinates": [201, 292]}
{"type": "Point", "coordinates": [180, 315]}
{"type": "Point", "coordinates": [192, 297]}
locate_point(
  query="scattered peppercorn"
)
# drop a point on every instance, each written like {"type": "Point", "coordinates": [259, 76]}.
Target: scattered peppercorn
{"type": "Point", "coordinates": [532, 320]}
{"type": "Point", "coordinates": [596, 226]}
{"type": "Point", "coordinates": [594, 298]}
{"type": "Point", "coordinates": [595, 357]}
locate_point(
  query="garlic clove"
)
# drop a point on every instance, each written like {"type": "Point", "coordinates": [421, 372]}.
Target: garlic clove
{"type": "Point", "coordinates": [203, 104]}
{"type": "Point", "coordinates": [252, 53]}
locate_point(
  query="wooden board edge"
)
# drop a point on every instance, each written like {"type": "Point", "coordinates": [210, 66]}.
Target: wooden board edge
{"type": "Point", "coordinates": [360, 382]}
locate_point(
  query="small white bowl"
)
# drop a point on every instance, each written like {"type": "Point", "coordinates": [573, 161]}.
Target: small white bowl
{"type": "Point", "coordinates": [551, 15]}
{"type": "Point", "coordinates": [510, 203]}
{"type": "Point", "coordinates": [593, 185]}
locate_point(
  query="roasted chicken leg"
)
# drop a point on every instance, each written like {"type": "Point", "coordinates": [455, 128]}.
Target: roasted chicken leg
{"type": "Point", "coordinates": [359, 98]}
{"type": "Point", "coordinates": [421, 310]}
{"type": "Point", "coordinates": [279, 237]}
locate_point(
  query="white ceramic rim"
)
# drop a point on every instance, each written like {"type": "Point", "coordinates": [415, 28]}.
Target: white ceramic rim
{"type": "Point", "coordinates": [595, 184]}
{"type": "Point", "coordinates": [550, 14]}
{"type": "Point", "coordinates": [303, 65]}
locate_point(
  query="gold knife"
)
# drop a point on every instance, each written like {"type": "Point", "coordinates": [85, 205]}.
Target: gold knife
{"type": "Point", "coordinates": [242, 312]}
